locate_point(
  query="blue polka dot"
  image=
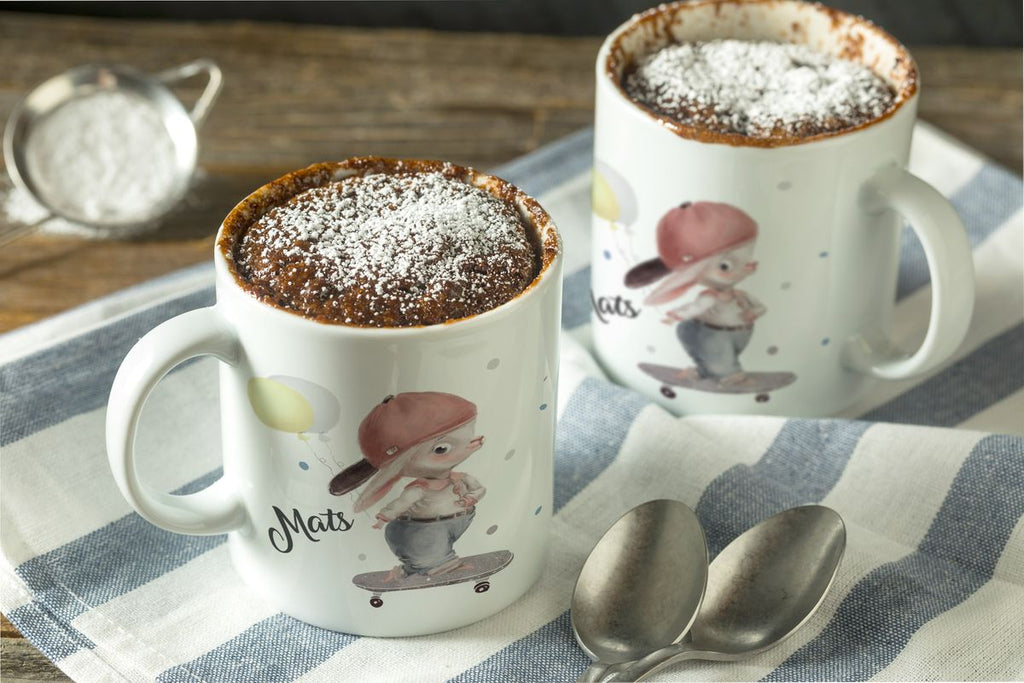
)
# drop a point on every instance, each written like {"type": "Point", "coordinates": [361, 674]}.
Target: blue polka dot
{"type": "Point", "coordinates": [539, 508]}
{"type": "Point", "coordinates": [825, 341]}
{"type": "Point", "coordinates": [608, 255]}
{"type": "Point", "coordinates": [303, 465]}
{"type": "Point", "coordinates": [823, 254]}
{"type": "Point", "coordinates": [543, 406]}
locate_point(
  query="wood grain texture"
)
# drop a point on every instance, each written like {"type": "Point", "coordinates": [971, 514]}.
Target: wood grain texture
{"type": "Point", "coordinates": [295, 95]}
{"type": "Point", "coordinates": [19, 661]}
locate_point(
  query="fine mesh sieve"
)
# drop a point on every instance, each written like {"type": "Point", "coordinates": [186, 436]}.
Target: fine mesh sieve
{"type": "Point", "coordinates": [83, 81]}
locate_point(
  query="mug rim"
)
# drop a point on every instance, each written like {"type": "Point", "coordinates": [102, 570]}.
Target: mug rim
{"type": "Point", "coordinates": [287, 186]}
{"type": "Point", "coordinates": [612, 58]}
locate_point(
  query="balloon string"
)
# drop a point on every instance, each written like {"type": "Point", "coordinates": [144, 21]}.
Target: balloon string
{"type": "Point", "coordinates": [627, 252]}
{"type": "Point", "coordinates": [352, 496]}
{"type": "Point", "coordinates": [331, 451]}
{"type": "Point", "coordinates": [629, 243]}
{"type": "Point", "coordinates": [317, 455]}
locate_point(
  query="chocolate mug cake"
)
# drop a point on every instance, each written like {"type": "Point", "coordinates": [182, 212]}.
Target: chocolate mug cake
{"type": "Point", "coordinates": [394, 244]}
{"type": "Point", "coordinates": [759, 89]}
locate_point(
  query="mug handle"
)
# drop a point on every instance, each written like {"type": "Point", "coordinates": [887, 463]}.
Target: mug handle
{"type": "Point", "coordinates": [215, 79]}
{"type": "Point", "coordinates": [950, 263]}
{"type": "Point", "coordinates": [216, 509]}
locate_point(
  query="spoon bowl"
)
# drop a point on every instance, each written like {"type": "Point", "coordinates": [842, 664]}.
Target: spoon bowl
{"type": "Point", "coordinates": [641, 586]}
{"type": "Point", "coordinates": [769, 581]}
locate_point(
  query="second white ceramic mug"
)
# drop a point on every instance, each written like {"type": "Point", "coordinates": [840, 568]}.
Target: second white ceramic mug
{"type": "Point", "coordinates": [731, 275]}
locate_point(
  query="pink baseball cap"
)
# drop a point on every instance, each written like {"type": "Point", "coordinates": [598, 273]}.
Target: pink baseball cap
{"type": "Point", "coordinates": [388, 433]}
{"type": "Point", "coordinates": [693, 231]}
{"type": "Point", "coordinates": [401, 421]}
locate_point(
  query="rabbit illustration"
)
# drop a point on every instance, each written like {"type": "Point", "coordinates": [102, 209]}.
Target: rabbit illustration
{"type": "Point", "coordinates": [422, 436]}
{"type": "Point", "coordinates": [711, 245]}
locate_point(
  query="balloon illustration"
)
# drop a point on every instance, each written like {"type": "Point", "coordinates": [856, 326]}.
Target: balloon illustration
{"type": "Point", "coordinates": [603, 201]}
{"type": "Point", "coordinates": [279, 406]}
{"type": "Point", "coordinates": [613, 200]}
{"type": "Point", "coordinates": [290, 404]}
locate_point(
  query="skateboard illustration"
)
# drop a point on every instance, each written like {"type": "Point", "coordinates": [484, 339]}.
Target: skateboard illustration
{"type": "Point", "coordinates": [475, 568]}
{"type": "Point", "coordinates": [751, 382]}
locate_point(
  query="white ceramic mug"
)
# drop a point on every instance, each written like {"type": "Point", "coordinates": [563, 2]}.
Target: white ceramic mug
{"type": "Point", "coordinates": [805, 231]}
{"type": "Point", "coordinates": [328, 429]}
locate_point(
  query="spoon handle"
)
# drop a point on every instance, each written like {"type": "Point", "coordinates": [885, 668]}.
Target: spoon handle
{"type": "Point", "coordinates": [594, 673]}
{"type": "Point", "coordinates": [641, 668]}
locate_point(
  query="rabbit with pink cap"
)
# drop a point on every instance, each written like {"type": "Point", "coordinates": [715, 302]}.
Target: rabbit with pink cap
{"type": "Point", "coordinates": [422, 436]}
{"type": "Point", "coordinates": [711, 245]}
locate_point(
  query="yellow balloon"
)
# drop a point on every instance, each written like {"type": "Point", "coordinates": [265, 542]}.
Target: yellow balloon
{"type": "Point", "coordinates": [279, 406]}
{"type": "Point", "coordinates": [604, 203]}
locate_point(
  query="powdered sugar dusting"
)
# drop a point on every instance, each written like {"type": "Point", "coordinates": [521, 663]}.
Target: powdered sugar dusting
{"type": "Point", "coordinates": [105, 157]}
{"type": "Point", "coordinates": [758, 89]}
{"type": "Point", "coordinates": [389, 250]}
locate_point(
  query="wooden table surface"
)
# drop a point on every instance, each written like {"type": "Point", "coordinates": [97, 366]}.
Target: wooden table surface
{"type": "Point", "coordinates": [294, 95]}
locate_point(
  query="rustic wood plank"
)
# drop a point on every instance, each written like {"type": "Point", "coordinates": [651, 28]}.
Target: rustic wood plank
{"type": "Point", "coordinates": [307, 93]}
{"type": "Point", "coordinates": [299, 94]}
{"type": "Point", "coordinates": [975, 95]}
{"type": "Point", "coordinates": [19, 661]}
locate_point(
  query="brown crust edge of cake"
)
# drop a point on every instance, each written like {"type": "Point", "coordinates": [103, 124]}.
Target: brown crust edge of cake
{"type": "Point", "coordinates": [658, 18]}
{"type": "Point", "coordinates": [541, 229]}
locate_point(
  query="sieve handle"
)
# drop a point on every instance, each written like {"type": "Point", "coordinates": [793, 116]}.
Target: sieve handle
{"type": "Point", "coordinates": [215, 79]}
{"type": "Point", "coordinates": [18, 231]}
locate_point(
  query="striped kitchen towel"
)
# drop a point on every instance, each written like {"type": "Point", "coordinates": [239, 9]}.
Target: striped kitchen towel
{"type": "Point", "coordinates": [928, 475]}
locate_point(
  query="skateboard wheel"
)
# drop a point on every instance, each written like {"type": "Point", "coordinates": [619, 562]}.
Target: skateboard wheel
{"type": "Point", "coordinates": [482, 587]}
{"type": "Point", "coordinates": [667, 392]}
{"type": "Point", "coordinates": [762, 398]}
{"type": "Point", "coordinates": [375, 601]}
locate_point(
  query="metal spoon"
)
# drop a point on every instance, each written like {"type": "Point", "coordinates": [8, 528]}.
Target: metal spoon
{"type": "Point", "coordinates": [640, 588]}
{"type": "Point", "coordinates": [761, 588]}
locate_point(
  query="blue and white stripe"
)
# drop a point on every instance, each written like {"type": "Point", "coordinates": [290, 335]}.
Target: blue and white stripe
{"type": "Point", "coordinates": [928, 474]}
